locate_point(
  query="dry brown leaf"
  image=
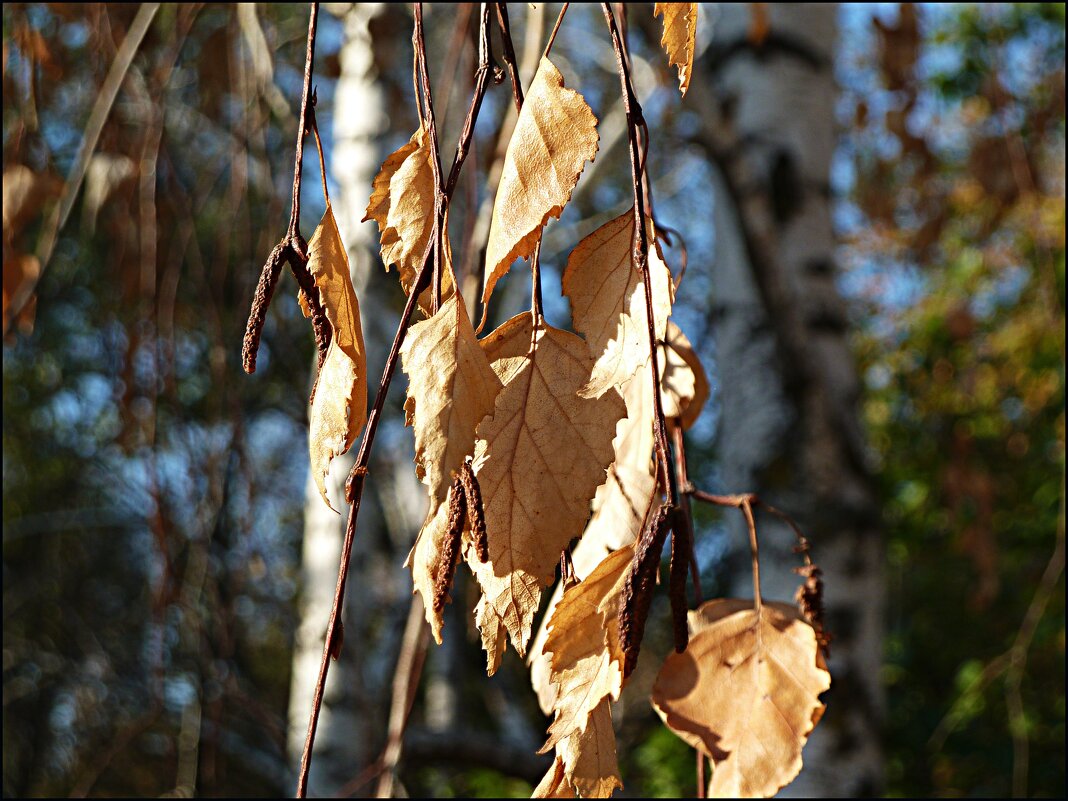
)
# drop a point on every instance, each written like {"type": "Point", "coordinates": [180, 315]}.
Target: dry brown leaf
{"type": "Point", "coordinates": [339, 408]}
{"type": "Point", "coordinates": [555, 135]}
{"type": "Point", "coordinates": [679, 38]}
{"type": "Point", "coordinates": [494, 634]}
{"type": "Point", "coordinates": [554, 784]}
{"type": "Point", "coordinates": [402, 203]}
{"type": "Point", "coordinates": [586, 664]}
{"type": "Point", "coordinates": [746, 693]}
{"type": "Point", "coordinates": [589, 757]}
{"type": "Point", "coordinates": [539, 460]}
{"type": "Point", "coordinates": [683, 383]}
{"type": "Point", "coordinates": [451, 387]}
{"type": "Point", "coordinates": [608, 301]}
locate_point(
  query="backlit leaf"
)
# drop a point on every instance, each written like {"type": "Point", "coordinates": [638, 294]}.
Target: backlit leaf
{"type": "Point", "coordinates": [746, 693]}
{"type": "Point", "coordinates": [539, 459]}
{"type": "Point", "coordinates": [555, 135]}
{"type": "Point", "coordinates": [339, 409]}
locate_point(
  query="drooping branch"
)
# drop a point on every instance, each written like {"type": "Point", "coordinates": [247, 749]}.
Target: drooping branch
{"type": "Point", "coordinates": [354, 484]}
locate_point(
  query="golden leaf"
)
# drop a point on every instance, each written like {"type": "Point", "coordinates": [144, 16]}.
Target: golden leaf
{"type": "Point", "coordinates": [589, 757]}
{"type": "Point", "coordinates": [402, 203]}
{"type": "Point", "coordinates": [586, 664]}
{"type": "Point", "coordinates": [339, 409]}
{"type": "Point", "coordinates": [494, 635]}
{"type": "Point", "coordinates": [746, 693]}
{"type": "Point", "coordinates": [554, 784]}
{"type": "Point", "coordinates": [607, 298]}
{"type": "Point", "coordinates": [555, 135]}
{"type": "Point", "coordinates": [585, 762]}
{"type": "Point", "coordinates": [683, 384]}
{"type": "Point", "coordinates": [539, 461]}
{"type": "Point", "coordinates": [680, 34]}
{"type": "Point", "coordinates": [451, 387]}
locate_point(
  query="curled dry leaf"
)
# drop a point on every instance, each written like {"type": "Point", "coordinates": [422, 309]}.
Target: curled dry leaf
{"type": "Point", "coordinates": [683, 383]}
{"type": "Point", "coordinates": [679, 38]}
{"type": "Point", "coordinates": [746, 693]}
{"type": "Point", "coordinates": [539, 459]}
{"type": "Point", "coordinates": [402, 203]}
{"type": "Point", "coordinates": [339, 408]}
{"type": "Point", "coordinates": [607, 298]}
{"type": "Point", "coordinates": [451, 387]}
{"type": "Point", "coordinates": [494, 634]}
{"type": "Point", "coordinates": [555, 135]}
{"type": "Point", "coordinates": [584, 643]}
{"type": "Point", "coordinates": [586, 764]}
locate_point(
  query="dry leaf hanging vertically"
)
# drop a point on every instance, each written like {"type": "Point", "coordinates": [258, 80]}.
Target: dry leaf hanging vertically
{"type": "Point", "coordinates": [555, 135]}
{"type": "Point", "coordinates": [451, 387]}
{"type": "Point", "coordinates": [339, 408]}
{"type": "Point", "coordinates": [494, 634]}
{"type": "Point", "coordinates": [586, 659]}
{"type": "Point", "coordinates": [402, 203]}
{"type": "Point", "coordinates": [586, 764]}
{"type": "Point", "coordinates": [679, 38]}
{"type": "Point", "coordinates": [539, 459]}
{"type": "Point", "coordinates": [746, 693]}
{"type": "Point", "coordinates": [608, 302]}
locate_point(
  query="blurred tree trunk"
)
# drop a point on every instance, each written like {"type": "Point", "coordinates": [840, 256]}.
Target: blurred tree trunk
{"type": "Point", "coordinates": [353, 720]}
{"type": "Point", "coordinates": [789, 428]}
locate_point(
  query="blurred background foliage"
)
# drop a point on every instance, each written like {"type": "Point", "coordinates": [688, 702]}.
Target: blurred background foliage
{"type": "Point", "coordinates": [152, 502]}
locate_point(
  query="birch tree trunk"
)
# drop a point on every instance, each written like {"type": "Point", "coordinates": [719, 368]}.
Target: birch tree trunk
{"type": "Point", "coordinates": [789, 428]}
{"type": "Point", "coordinates": [351, 728]}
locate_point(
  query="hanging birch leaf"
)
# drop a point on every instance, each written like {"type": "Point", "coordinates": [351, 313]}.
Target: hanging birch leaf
{"type": "Point", "coordinates": [607, 297]}
{"type": "Point", "coordinates": [555, 135]}
{"type": "Point", "coordinates": [494, 634]}
{"type": "Point", "coordinates": [451, 387]}
{"type": "Point", "coordinates": [586, 664]}
{"type": "Point", "coordinates": [679, 38]}
{"type": "Point", "coordinates": [539, 459]}
{"type": "Point", "coordinates": [746, 693]}
{"type": "Point", "coordinates": [586, 764]}
{"type": "Point", "coordinates": [402, 203]}
{"type": "Point", "coordinates": [339, 408]}
{"type": "Point", "coordinates": [590, 763]}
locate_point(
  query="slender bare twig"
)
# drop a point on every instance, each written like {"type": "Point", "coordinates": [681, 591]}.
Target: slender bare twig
{"type": "Point", "coordinates": [354, 484]}
{"type": "Point", "coordinates": [556, 28]}
{"type": "Point", "coordinates": [405, 682]}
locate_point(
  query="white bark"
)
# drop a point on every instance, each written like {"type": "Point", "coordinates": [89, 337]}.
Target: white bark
{"type": "Point", "coordinates": [789, 428]}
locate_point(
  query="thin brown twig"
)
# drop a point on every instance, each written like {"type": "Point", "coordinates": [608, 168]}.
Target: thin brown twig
{"type": "Point", "coordinates": [509, 55]}
{"type": "Point", "coordinates": [356, 479]}
{"type": "Point", "coordinates": [556, 28]}
{"type": "Point", "coordinates": [641, 250]}
{"type": "Point", "coordinates": [410, 662]}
